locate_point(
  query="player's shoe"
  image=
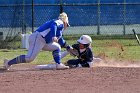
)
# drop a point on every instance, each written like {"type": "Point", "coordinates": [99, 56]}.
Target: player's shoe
{"type": "Point", "coordinates": [5, 64]}
{"type": "Point", "coordinates": [61, 66]}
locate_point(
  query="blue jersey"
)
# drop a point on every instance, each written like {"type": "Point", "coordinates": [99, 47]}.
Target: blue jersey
{"type": "Point", "coordinates": [52, 28]}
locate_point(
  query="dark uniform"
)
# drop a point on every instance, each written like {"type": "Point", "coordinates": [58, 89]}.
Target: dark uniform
{"type": "Point", "coordinates": [82, 58]}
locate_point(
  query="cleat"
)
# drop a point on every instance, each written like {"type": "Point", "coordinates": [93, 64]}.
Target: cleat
{"type": "Point", "coordinates": [5, 64]}
{"type": "Point", "coordinates": [61, 66]}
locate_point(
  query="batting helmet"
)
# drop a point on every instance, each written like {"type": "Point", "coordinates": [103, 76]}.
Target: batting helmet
{"type": "Point", "coordinates": [85, 39]}
{"type": "Point", "coordinates": [63, 16]}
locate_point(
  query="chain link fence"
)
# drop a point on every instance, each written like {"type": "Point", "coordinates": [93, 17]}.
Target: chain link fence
{"type": "Point", "coordinates": [95, 19]}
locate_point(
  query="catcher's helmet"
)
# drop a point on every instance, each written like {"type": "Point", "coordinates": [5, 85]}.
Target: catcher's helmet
{"type": "Point", "coordinates": [85, 39]}
{"type": "Point", "coordinates": [63, 16]}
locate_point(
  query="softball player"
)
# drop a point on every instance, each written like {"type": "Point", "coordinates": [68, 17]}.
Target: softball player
{"type": "Point", "coordinates": [47, 37]}
{"type": "Point", "coordinates": [83, 52]}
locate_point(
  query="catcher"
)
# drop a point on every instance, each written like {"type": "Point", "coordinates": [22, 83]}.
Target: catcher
{"type": "Point", "coordinates": [82, 51]}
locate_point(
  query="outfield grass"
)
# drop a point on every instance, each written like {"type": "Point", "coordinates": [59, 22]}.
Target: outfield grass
{"type": "Point", "coordinates": [119, 49]}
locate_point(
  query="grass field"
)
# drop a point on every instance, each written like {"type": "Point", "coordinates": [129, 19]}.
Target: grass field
{"type": "Point", "coordinates": [117, 49]}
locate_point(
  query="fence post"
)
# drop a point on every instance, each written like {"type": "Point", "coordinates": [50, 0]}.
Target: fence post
{"type": "Point", "coordinates": [32, 15]}
{"type": "Point", "coordinates": [23, 17]}
{"type": "Point", "coordinates": [61, 6]}
{"type": "Point", "coordinates": [98, 18]}
{"type": "Point", "coordinates": [124, 17]}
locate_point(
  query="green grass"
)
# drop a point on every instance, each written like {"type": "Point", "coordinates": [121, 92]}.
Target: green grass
{"type": "Point", "coordinates": [119, 49]}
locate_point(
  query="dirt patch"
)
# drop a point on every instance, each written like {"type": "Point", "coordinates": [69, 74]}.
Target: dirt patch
{"type": "Point", "coordinates": [117, 46]}
{"type": "Point", "coordinates": [99, 79]}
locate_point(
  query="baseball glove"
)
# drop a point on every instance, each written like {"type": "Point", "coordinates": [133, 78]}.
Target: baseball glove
{"type": "Point", "coordinates": [73, 52]}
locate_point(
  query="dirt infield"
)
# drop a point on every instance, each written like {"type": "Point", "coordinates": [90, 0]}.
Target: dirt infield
{"type": "Point", "coordinates": [102, 79]}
